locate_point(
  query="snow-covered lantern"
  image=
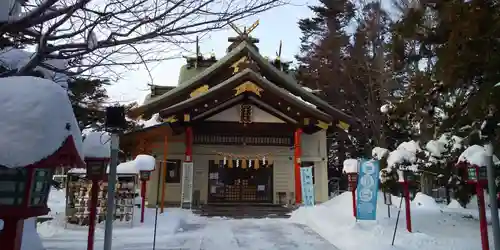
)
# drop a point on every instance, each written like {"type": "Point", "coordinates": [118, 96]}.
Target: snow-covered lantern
{"type": "Point", "coordinates": [473, 159]}
{"type": "Point", "coordinates": [351, 168]}
{"type": "Point", "coordinates": [41, 134]}
{"type": "Point", "coordinates": [476, 174]}
{"type": "Point", "coordinates": [97, 151]}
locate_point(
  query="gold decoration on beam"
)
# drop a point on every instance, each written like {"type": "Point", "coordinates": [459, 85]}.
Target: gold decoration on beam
{"type": "Point", "coordinates": [343, 125]}
{"type": "Point", "coordinates": [187, 118]}
{"type": "Point", "coordinates": [236, 65]}
{"type": "Point", "coordinates": [243, 163]}
{"type": "Point", "coordinates": [170, 119]}
{"type": "Point", "coordinates": [323, 124]}
{"type": "Point", "coordinates": [248, 86]}
{"type": "Point", "coordinates": [306, 121]}
{"type": "Point", "coordinates": [201, 90]}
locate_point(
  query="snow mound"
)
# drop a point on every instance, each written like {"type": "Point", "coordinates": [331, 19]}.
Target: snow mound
{"type": "Point", "coordinates": [37, 117]}
{"type": "Point", "coordinates": [97, 145]}
{"type": "Point", "coordinates": [145, 162]}
{"type": "Point", "coordinates": [454, 204]}
{"type": "Point", "coordinates": [425, 202]}
{"type": "Point", "coordinates": [350, 166]}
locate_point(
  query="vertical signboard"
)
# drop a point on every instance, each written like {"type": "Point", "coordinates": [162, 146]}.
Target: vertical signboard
{"type": "Point", "coordinates": [306, 179]}
{"type": "Point", "coordinates": [367, 190]}
{"type": "Point", "coordinates": [187, 185]}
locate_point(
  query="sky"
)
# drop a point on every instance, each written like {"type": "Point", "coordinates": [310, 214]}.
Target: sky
{"type": "Point", "coordinates": [275, 25]}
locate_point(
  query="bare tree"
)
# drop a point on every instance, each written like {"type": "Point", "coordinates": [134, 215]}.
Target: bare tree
{"type": "Point", "coordinates": [89, 34]}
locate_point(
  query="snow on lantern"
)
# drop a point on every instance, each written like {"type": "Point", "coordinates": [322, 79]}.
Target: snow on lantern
{"type": "Point", "coordinates": [351, 168]}
{"type": "Point", "coordinates": [40, 133]}
{"type": "Point", "coordinates": [97, 151]}
{"type": "Point", "coordinates": [474, 160]}
{"type": "Point", "coordinates": [145, 164]}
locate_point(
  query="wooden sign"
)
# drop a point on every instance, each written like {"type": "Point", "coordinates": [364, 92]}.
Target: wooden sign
{"type": "Point", "coordinates": [247, 140]}
{"type": "Point", "coordinates": [145, 175]}
{"type": "Point", "coordinates": [96, 169]}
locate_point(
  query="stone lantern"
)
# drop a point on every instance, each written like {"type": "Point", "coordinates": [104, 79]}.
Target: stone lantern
{"type": "Point", "coordinates": [39, 133]}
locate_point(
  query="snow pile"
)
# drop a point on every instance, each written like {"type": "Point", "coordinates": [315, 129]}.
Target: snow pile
{"type": "Point", "coordinates": [155, 120]}
{"type": "Point", "coordinates": [97, 145]}
{"type": "Point", "coordinates": [14, 59]}
{"type": "Point", "coordinates": [433, 228]}
{"type": "Point", "coordinates": [454, 204]}
{"type": "Point", "coordinates": [384, 109]}
{"type": "Point", "coordinates": [423, 201]}
{"type": "Point", "coordinates": [476, 155]}
{"type": "Point", "coordinates": [77, 171]}
{"type": "Point", "coordinates": [379, 153]}
{"type": "Point", "coordinates": [145, 162]}
{"type": "Point", "coordinates": [37, 117]}
{"type": "Point", "coordinates": [350, 166]}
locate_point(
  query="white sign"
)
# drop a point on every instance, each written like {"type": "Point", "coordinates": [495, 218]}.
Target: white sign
{"type": "Point", "coordinates": [187, 184]}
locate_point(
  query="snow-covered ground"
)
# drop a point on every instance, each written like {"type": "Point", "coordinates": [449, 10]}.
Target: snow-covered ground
{"type": "Point", "coordinates": [182, 230]}
{"type": "Point", "coordinates": [326, 226]}
{"type": "Point", "coordinates": [435, 226]}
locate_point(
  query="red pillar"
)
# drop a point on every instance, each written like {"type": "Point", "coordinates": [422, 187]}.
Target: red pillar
{"type": "Point", "coordinates": [406, 190]}
{"type": "Point", "coordinates": [12, 234]}
{"type": "Point", "coordinates": [354, 202]}
{"type": "Point", "coordinates": [483, 225]}
{"type": "Point", "coordinates": [92, 214]}
{"type": "Point", "coordinates": [297, 161]}
{"type": "Point", "coordinates": [188, 157]}
{"type": "Point", "coordinates": [143, 199]}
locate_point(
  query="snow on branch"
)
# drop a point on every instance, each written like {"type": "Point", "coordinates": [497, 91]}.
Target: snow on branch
{"type": "Point", "coordinates": [90, 33]}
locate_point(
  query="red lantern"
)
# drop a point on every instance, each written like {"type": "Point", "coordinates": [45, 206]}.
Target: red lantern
{"type": "Point", "coordinates": [24, 191]}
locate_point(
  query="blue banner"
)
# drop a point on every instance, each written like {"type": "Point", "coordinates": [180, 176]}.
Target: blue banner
{"type": "Point", "coordinates": [367, 190]}
{"type": "Point", "coordinates": [306, 180]}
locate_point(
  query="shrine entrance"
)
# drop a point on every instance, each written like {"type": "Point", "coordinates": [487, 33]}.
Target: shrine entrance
{"type": "Point", "coordinates": [231, 183]}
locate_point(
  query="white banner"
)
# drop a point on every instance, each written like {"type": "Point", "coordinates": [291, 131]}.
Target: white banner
{"type": "Point", "coordinates": [187, 184]}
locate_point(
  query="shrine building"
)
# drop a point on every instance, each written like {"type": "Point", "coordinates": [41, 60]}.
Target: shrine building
{"type": "Point", "coordinates": [238, 128]}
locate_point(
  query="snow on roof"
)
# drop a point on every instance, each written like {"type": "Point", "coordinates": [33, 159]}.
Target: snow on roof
{"type": "Point", "coordinates": [476, 155]}
{"type": "Point", "coordinates": [151, 122]}
{"type": "Point", "coordinates": [77, 171]}
{"type": "Point", "coordinates": [350, 166]}
{"type": "Point", "coordinates": [128, 167]}
{"type": "Point", "coordinates": [302, 100]}
{"type": "Point", "coordinates": [97, 145]}
{"type": "Point", "coordinates": [378, 153]}
{"type": "Point", "coordinates": [145, 162]}
{"type": "Point", "coordinates": [13, 58]}
{"type": "Point", "coordinates": [37, 117]}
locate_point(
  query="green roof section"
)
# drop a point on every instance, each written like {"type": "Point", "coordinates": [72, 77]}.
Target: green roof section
{"type": "Point", "coordinates": [187, 73]}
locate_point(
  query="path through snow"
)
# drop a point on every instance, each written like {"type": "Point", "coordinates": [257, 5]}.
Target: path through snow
{"type": "Point", "coordinates": [181, 230]}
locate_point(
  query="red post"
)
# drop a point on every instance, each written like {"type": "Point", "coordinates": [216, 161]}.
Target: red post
{"type": "Point", "coordinates": [12, 233]}
{"type": "Point", "coordinates": [189, 145]}
{"type": "Point", "coordinates": [406, 191]}
{"type": "Point", "coordinates": [483, 225]}
{"type": "Point", "coordinates": [354, 213]}
{"type": "Point", "coordinates": [297, 161]}
{"type": "Point", "coordinates": [143, 199]}
{"type": "Point", "coordinates": [92, 216]}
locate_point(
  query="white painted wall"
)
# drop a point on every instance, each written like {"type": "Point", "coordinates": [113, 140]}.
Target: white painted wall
{"type": "Point", "coordinates": [232, 114]}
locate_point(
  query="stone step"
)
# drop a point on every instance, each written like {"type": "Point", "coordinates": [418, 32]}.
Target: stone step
{"type": "Point", "coordinates": [244, 211]}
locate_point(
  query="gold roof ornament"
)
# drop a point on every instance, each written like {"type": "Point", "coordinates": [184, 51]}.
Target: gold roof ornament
{"type": "Point", "coordinates": [199, 91]}
{"type": "Point", "coordinates": [236, 65]}
{"type": "Point", "coordinates": [248, 86]}
{"type": "Point", "coordinates": [170, 119]}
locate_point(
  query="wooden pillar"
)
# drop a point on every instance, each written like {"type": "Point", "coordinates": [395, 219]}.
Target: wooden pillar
{"type": "Point", "coordinates": [12, 233]}
{"type": "Point", "coordinates": [188, 156]}
{"type": "Point", "coordinates": [163, 173]}
{"type": "Point", "coordinates": [297, 163]}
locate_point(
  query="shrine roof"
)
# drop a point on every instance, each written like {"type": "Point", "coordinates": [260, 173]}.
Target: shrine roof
{"type": "Point", "coordinates": [274, 75]}
{"type": "Point", "coordinates": [247, 81]}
